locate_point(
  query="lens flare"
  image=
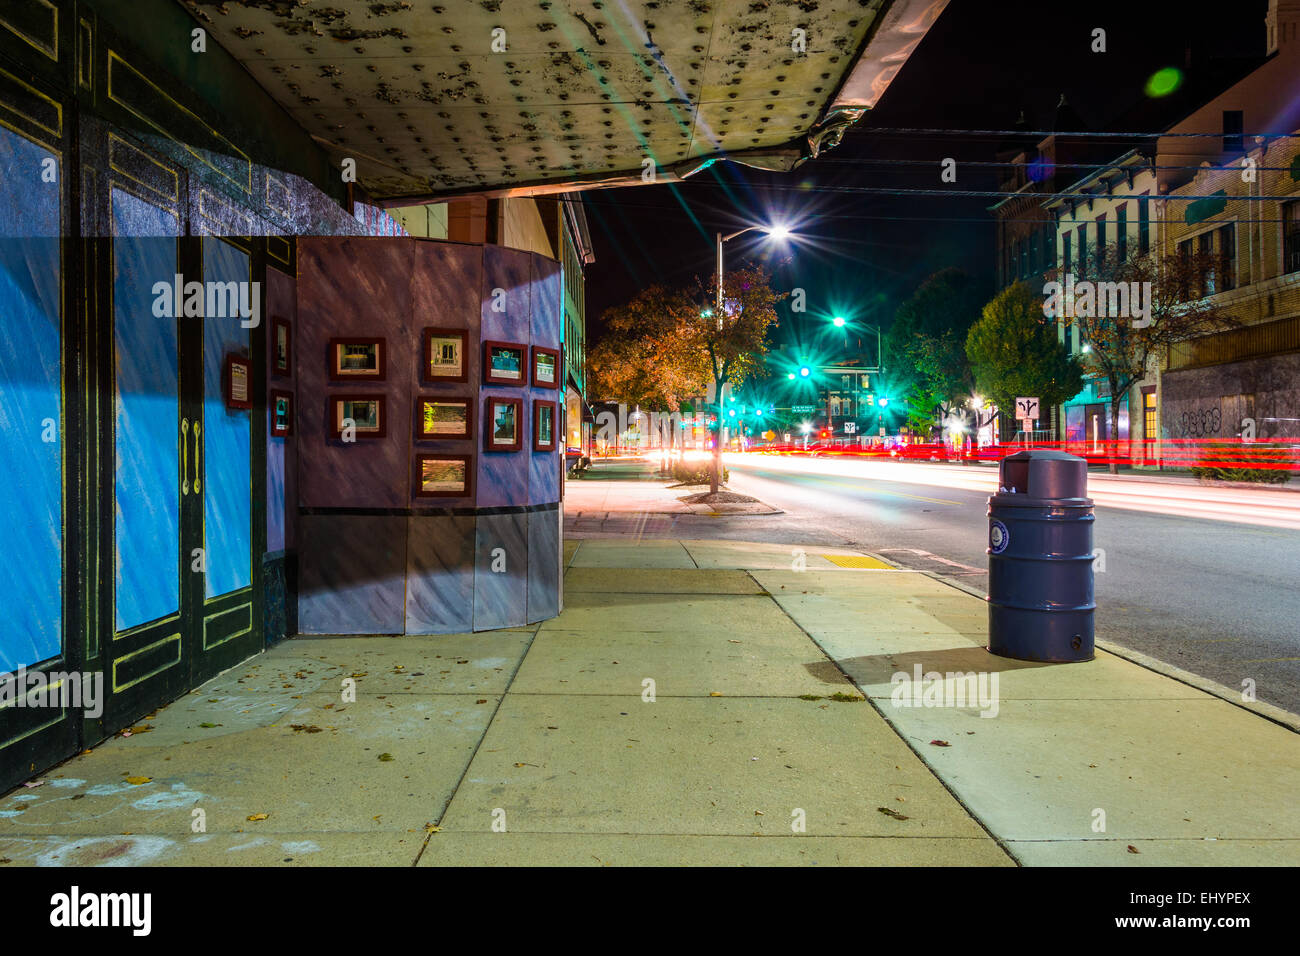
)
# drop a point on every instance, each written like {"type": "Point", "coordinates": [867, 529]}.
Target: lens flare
{"type": "Point", "coordinates": [1163, 82]}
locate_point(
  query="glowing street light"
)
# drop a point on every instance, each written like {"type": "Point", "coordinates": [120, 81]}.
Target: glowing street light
{"type": "Point", "coordinates": [838, 321]}
{"type": "Point", "coordinates": [805, 371]}
{"type": "Point", "coordinates": [790, 375]}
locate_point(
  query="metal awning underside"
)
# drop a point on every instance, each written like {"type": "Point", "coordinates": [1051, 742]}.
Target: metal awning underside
{"type": "Point", "coordinates": [584, 91]}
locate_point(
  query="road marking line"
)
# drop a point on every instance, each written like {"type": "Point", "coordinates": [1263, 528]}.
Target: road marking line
{"type": "Point", "coordinates": [1269, 660]}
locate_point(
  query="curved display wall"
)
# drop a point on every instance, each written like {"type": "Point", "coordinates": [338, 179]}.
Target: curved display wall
{"type": "Point", "coordinates": [427, 428]}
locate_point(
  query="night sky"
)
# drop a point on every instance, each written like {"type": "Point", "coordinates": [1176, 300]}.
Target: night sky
{"type": "Point", "coordinates": [981, 64]}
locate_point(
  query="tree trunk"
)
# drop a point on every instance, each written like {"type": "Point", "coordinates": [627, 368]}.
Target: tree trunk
{"type": "Point", "coordinates": [1112, 456]}
{"type": "Point", "coordinates": [716, 478]}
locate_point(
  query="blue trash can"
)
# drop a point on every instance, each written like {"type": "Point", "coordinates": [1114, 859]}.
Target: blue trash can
{"type": "Point", "coordinates": [1040, 551]}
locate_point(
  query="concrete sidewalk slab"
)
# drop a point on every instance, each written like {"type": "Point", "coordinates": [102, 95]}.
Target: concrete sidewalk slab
{"type": "Point", "coordinates": [1158, 769]}
{"type": "Point", "coordinates": [680, 664]}
{"type": "Point", "coordinates": [311, 848]}
{"type": "Point", "coordinates": [698, 766]}
{"type": "Point", "coordinates": [326, 775]}
{"type": "Point", "coordinates": [617, 553]}
{"type": "Point", "coordinates": [660, 581]}
{"type": "Point", "coordinates": [1192, 852]}
{"type": "Point", "coordinates": [615, 849]}
{"type": "Point", "coordinates": [679, 613]}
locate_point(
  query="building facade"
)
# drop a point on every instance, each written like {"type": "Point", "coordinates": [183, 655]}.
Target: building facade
{"type": "Point", "coordinates": [1112, 212]}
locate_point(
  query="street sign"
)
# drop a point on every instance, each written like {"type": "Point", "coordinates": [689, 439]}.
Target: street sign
{"type": "Point", "coordinates": [1027, 408]}
{"type": "Point", "coordinates": [850, 427]}
{"type": "Point", "coordinates": [804, 409]}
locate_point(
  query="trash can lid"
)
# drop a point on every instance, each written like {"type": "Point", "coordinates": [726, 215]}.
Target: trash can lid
{"type": "Point", "coordinates": [1044, 473]}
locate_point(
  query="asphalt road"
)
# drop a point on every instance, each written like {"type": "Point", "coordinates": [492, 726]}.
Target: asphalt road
{"type": "Point", "coordinates": [1210, 586]}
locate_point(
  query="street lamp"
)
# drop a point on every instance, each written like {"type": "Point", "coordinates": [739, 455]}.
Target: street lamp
{"type": "Point", "coordinates": [839, 321]}
{"type": "Point", "coordinates": [804, 371]}
{"type": "Point", "coordinates": [773, 232]}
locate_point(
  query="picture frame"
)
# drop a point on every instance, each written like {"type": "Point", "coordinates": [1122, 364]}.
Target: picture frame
{"type": "Point", "coordinates": [281, 347]}
{"type": "Point", "coordinates": [368, 413]}
{"type": "Point", "coordinates": [438, 418]}
{"type": "Point", "coordinates": [353, 359]}
{"type": "Point", "coordinates": [444, 355]}
{"type": "Point", "coordinates": [544, 425]}
{"type": "Point", "coordinates": [238, 382]}
{"type": "Point", "coordinates": [503, 363]}
{"type": "Point", "coordinates": [280, 408]}
{"type": "Point", "coordinates": [443, 476]}
{"type": "Point", "coordinates": [546, 367]}
{"type": "Point", "coordinates": [503, 423]}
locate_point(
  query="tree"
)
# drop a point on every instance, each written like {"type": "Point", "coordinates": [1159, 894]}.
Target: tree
{"type": "Point", "coordinates": [1013, 351]}
{"type": "Point", "coordinates": [1133, 309]}
{"type": "Point", "coordinates": [663, 348]}
{"type": "Point", "coordinates": [926, 344]}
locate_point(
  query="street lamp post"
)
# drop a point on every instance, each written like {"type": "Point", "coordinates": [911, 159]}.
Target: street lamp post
{"type": "Point", "coordinates": [776, 232]}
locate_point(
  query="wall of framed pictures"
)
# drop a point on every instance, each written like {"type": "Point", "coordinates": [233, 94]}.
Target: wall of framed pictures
{"type": "Point", "coordinates": [426, 422]}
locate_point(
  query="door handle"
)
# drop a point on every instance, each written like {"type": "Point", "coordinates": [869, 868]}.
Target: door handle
{"type": "Point", "coordinates": [185, 465]}
{"type": "Point", "coordinates": [198, 456]}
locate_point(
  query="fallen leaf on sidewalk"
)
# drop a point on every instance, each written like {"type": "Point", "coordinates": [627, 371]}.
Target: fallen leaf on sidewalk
{"type": "Point", "coordinates": [258, 817]}
{"type": "Point", "coordinates": [206, 724]}
{"type": "Point", "coordinates": [33, 784]}
{"type": "Point", "coordinates": [304, 728]}
{"type": "Point", "coordinates": [714, 693]}
{"type": "Point", "coordinates": [1132, 848]}
{"type": "Point", "coordinates": [892, 813]}
{"type": "Point", "coordinates": [940, 743]}
{"type": "Point", "coordinates": [385, 757]}
{"type": "Point", "coordinates": [730, 641]}
{"type": "Point", "coordinates": [481, 700]}
{"type": "Point", "coordinates": [430, 828]}
{"type": "Point", "coordinates": [758, 813]}
{"type": "Point", "coordinates": [136, 781]}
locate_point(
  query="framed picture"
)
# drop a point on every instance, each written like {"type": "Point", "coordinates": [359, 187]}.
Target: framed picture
{"type": "Point", "coordinates": [281, 348]}
{"type": "Point", "coordinates": [442, 418]}
{"type": "Point", "coordinates": [281, 413]}
{"type": "Point", "coordinates": [356, 358]}
{"type": "Point", "coordinates": [445, 355]}
{"type": "Point", "coordinates": [444, 476]}
{"type": "Point", "coordinates": [543, 425]}
{"type": "Point", "coordinates": [546, 367]}
{"type": "Point", "coordinates": [358, 416]}
{"type": "Point", "coordinates": [239, 381]}
{"type": "Point", "coordinates": [503, 424]}
{"type": "Point", "coordinates": [503, 363]}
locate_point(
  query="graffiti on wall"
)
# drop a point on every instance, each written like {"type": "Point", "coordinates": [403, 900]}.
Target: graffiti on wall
{"type": "Point", "coordinates": [1203, 422]}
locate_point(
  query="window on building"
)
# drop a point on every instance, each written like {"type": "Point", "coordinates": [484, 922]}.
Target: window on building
{"type": "Point", "coordinates": [1186, 285]}
{"type": "Point", "coordinates": [1205, 255]}
{"type": "Point", "coordinates": [1144, 226]}
{"type": "Point", "coordinates": [1233, 140]}
{"type": "Point", "coordinates": [1065, 251]}
{"type": "Point", "coordinates": [1121, 232]}
{"type": "Point", "coordinates": [1150, 419]}
{"type": "Point", "coordinates": [1101, 241]}
{"type": "Point", "coordinates": [1291, 237]}
{"type": "Point", "coordinates": [1228, 256]}
{"type": "Point", "coordinates": [1083, 250]}
{"type": "Point", "coordinates": [1024, 259]}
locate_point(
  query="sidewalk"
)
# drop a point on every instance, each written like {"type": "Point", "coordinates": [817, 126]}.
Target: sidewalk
{"type": "Point", "coordinates": [546, 745]}
{"type": "Point", "coordinates": [634, 486]}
